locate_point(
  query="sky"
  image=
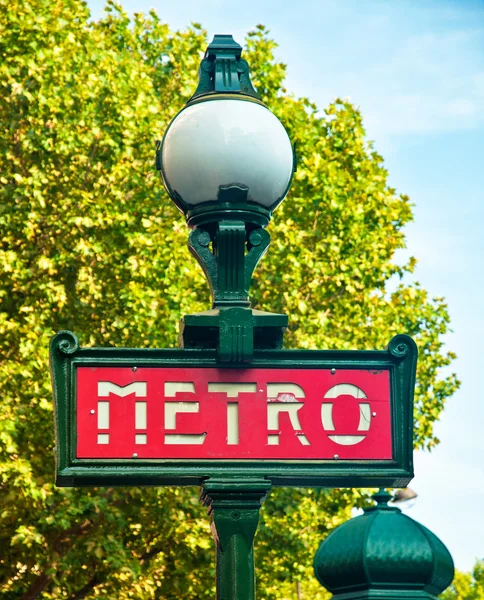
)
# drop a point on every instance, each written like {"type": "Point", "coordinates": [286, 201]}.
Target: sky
{"type": "Point", "coordinates": [416, 69]}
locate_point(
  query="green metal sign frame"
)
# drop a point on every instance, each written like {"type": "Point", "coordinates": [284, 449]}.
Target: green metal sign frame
{"type": "Point", "coordinates": [399, 358]}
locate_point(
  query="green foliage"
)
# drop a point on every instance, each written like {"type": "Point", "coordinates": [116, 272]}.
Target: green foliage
{"type": "Point", "coordinates": [467, 586]}
{"type": "Point", "coordinates": [90, 242]}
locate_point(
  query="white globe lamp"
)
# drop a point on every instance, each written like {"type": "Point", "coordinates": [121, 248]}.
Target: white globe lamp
{"type": "Point", "coordinates": [225, 151]}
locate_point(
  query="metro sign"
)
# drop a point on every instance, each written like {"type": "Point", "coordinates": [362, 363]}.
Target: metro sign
{"type": "Point", "coordinates": [206, 413]}
{"type": "Point", "coordinates": [322, 418]}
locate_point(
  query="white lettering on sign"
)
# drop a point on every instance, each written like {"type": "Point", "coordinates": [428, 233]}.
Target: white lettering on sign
{"type": "Point", "coordinates": [103, 415]}
{"type": "Point", "coordinates": [280, 398]}
{"type": "Point", "coordinates": [140, 415]}
{"type": "Point", "coordinates": [140, 422]}
{"type": "Point", "coordinates": [327, 413]}
{"type": "Point", "coordinates": [365, 417]}
{"type": "Point", "coordinates": [232, 423]}
{"type": "Point", "coordinates": [174, 408]}
{"type": "Point", "coordinates": [103, 421]}
{"type": "Point", "coordinates": [104, 389]}
{"type": "Point", "coordinates": [138, 388]}
{"type": "Point", "coordinates": [172, 387]}
{"type": "Point", "coordinates": [232, 390]}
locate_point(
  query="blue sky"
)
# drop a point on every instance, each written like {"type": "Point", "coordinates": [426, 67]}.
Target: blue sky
{"type": "Point", "coordinates": [416, 69]}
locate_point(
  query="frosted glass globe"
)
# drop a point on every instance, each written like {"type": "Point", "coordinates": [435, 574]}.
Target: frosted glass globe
{"type": "Point", "coordinates": [224, 142]}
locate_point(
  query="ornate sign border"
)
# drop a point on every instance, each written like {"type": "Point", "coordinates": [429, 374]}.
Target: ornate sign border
{"type": "Point", "coordinates": [400, 358]}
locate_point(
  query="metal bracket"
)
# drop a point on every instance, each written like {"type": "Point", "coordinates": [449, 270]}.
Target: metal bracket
{"type": "Point", "coordinates": [232, 326]}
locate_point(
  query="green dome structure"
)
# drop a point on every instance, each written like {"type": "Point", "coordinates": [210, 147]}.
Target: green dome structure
{"type": "Point", "coordinates": [383, 554]}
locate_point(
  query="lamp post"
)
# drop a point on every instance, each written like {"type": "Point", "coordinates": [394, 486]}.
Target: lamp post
{"type": "Point", "coordinates": [227, 163]}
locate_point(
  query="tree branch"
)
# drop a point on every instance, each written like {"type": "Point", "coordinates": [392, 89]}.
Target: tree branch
{"type": "Point", "coordinates": [37, 587]}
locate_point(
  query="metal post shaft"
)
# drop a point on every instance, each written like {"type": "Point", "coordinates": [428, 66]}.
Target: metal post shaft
{"type": "Point", "coordinates": [234, 506]}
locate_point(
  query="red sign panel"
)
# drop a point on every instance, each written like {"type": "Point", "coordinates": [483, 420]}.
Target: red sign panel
{"type": "Point", "coordinates": [242, 414]}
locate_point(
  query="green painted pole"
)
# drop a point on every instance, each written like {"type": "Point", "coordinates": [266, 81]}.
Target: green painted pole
{"type": "Point", "coordinates": [234, 506]}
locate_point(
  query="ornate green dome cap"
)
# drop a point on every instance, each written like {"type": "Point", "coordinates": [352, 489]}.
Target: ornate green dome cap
{"type": "Point", "coordinates": [385, 552]}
